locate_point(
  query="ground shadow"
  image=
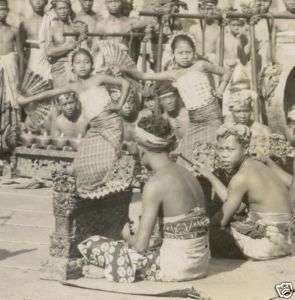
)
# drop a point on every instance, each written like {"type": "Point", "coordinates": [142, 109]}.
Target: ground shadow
{"type": "Point", "coordinates": [4, 254]}
{"type": "Point", "coordinates": [225, 253]}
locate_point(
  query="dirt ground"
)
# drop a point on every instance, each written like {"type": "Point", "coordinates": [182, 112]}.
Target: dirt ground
{"type": "Point", "coordinates": [26, 221]}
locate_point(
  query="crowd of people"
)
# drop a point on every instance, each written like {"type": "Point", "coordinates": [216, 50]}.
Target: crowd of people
{"type": "Point", "coordinates": [90, 87]}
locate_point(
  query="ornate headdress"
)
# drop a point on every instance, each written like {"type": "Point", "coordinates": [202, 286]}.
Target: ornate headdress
{"type": "Point", "coordinates": [241, 132]}
{"type": "Point", "coordinates": [242, 100]}
{"type": "Point", "coordinates": [181, 33]}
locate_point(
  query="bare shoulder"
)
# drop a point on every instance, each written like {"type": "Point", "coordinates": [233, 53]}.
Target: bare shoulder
{"type": "Point", "coordinates": [153, 188]}
{"type": "Point", "coordinates": [239, 180]}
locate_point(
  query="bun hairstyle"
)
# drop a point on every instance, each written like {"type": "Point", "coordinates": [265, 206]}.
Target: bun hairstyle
{"type": "Point", "coordinates": [156, 125]}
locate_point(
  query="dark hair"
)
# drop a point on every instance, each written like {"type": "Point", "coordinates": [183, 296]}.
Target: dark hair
{"type": "Point", "coordinates": [182, 38]}
{"type": "Point", "coordinates": [156, 125]}
{"type": "Point", "coordinates": [165, 87]}
{"type": "Point", "coordinates": [82, 51]}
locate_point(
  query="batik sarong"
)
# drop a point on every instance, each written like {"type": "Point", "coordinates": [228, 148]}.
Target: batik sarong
{"type": "Point", "coordinates": [183, 255]}
{"type": "Point", "coordinates": [264, 236]}
{"type": "Point", "coordinates": [98, 151]}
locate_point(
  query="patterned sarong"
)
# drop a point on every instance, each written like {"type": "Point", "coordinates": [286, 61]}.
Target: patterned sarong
{"type": "Point", "coordinates": [8, 93]}
{"type": "Point", "coordinates": [202, 128]}
{"type": "Point", "coordinates": [98, 151]}
{"type": "Point", "coordinates": [184, 237]}
{"type": "Point", "coordinates": [263, 236]}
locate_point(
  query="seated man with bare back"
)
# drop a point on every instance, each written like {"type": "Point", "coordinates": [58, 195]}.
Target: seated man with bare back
{"type": "Point", "coordinates": [265, 233]}
{"type": "Point", "coordinates": [172, 206]}
{"type": "Point", "coordinates": [71, 122]}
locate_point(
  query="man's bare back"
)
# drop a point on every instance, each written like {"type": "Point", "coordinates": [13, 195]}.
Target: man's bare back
{"type": "Point", "coordinates": [178, 190]}
{"type": "Point", "coordinates": [266, 193]}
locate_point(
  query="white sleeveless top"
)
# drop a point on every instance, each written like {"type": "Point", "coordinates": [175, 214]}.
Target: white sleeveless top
{"type": "Point", "coordinates": [195, 89]}
{"type": "Point", "coordinates": [94, 101]}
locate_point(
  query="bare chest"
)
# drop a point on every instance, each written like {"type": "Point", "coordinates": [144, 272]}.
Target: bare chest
{"type": "Point", "coordinates": [32, 27]}
{"type": "Point", "coordinates": [7, 41]}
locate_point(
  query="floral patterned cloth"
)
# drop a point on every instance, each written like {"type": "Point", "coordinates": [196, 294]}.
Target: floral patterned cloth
{"type": "Point", "coordinates": [186, 237]}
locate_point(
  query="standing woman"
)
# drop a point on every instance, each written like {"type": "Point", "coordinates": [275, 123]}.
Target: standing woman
{"type": "Point", "coordinates": [99, 149]}
{"type": "Point", "coordinates": [192, 76]}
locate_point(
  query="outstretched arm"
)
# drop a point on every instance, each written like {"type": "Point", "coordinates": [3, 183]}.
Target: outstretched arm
{"type": "Point", "coordinates": [46, 94]}
{"type": "Point", "coordinates": [162, 76]}
{"type": "Point", "coordinates": [105, 79]}
{"type": "Point", "coordinates": [150, 209]}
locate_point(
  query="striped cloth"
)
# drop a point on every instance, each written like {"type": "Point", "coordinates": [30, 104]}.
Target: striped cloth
{"type": "Point", "coordinates": [202, 128]}
{"type": "Point", "coordinates": [98, 151]}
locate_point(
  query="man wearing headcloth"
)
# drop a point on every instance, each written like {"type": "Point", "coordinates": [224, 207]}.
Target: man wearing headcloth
{"type": "Point", "coordinates": [241, 110]}
{"type": "Point", "coordinates": [174, 109]}
{"type": "Point", "coordinates": [29, 30]}
{"type": "Point", "coordinates": [172, 206]}
{"type": "Point", "coordinates": [265, 232]}
{"type": "Point", "coordinates": [11, 73]}
{"type": "Point", "coordinates": [57, 47]}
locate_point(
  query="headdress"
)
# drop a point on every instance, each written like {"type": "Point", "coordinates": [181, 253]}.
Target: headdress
{"type": "Point", "coordinates": [242, 100]}
{"type": "Point", "coordinates": [53, 2]}
{"type": "Point", "coordinates": [151, 142]}
{"type": "Point", "coordinates": [181, 33]}
{"type": "Point", "coordinates": [154, 133]}
{"type": "Point", "coordinates": [165, 89]}
{"type": "Point", "coordinates": [241, 132]}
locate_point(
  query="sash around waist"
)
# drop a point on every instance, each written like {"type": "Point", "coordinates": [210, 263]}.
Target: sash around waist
{"type": "Point", "coordinates": [188, 226]}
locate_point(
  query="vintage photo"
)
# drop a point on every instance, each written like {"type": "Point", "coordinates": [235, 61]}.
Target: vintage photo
{"type": "Point", "coordinates": [147, 149]}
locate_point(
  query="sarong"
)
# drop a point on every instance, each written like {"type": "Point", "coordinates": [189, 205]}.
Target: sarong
{"type": "Point", "coordinates": [98, 151]}
{"type": "Point", "coordinates": [263, 236]}
{"type": "Point", "coordinates": [202, 128]}
{"type": "Point", "coordinates": [183, 255]}
{"type": "Point", "coordinates": [38, 64]}
{"type": "Point", "coordinates": [8, 94]}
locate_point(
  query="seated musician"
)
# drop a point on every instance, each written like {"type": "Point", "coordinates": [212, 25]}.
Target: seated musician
{"type": "Point", "coordinates": [176, 113]}
{"type": "Point", "coordinates": [71, 122]}
{"type": "Point", "coordinates": [172, 199]}
{"type": "Point", "coordinates": [265, 232]}
{"type": "Point", "coordinates": [241, 110]}
{"type": "Point", "coordinates": [129, 114]}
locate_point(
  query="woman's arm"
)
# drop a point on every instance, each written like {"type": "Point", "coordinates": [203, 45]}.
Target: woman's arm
{"type": "Point", "coordinates": [150, 209]}
{"type": "Point", "coordinates": [162, 76]}
{"type": "Point", "coordinates": [47, 94]}
{"type": "Point", "coordinates": [105, 79]}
